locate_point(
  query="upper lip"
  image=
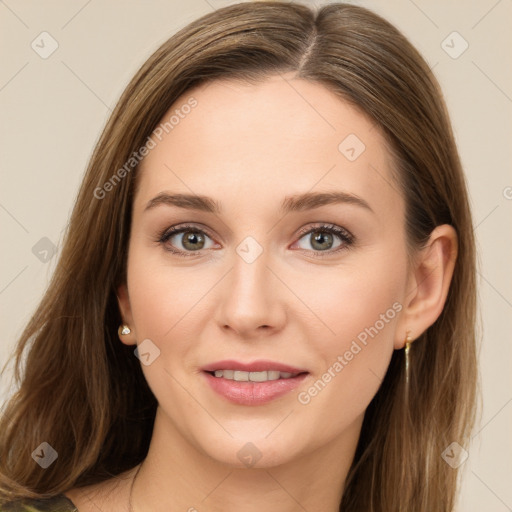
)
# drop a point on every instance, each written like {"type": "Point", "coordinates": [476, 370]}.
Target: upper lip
{"type": "Point", "coordinates": [255, 366]}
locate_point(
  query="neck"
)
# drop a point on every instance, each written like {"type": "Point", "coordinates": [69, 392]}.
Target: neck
{"type": "Point", "coordinates": [176, 475]}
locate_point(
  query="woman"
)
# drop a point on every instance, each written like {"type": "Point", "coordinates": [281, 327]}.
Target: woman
{"type": "Point", "coordinates": [266, 296]}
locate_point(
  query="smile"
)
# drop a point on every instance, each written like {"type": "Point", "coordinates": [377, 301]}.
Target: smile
{"type": "Point", "coordinates": [242, 376]}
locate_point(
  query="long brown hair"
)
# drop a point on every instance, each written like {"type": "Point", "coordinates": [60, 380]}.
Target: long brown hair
{"type": "Point", "coordinates": [83, 392]}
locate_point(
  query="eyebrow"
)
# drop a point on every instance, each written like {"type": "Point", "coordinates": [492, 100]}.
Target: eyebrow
{"type": "Point", "coordinates": [296, 203]}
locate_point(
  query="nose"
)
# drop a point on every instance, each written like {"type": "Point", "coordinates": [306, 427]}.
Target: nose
{"type": "Point", "coordinates": [252, 300]}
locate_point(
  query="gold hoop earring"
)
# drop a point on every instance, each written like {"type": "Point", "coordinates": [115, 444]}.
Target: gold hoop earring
{"type": "Point", "coordinates": [124, 330]}
{"type": "Point", "coordinates": [408, 341]}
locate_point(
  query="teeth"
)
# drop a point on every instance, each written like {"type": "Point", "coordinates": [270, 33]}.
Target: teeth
{"type": "Point", "coordinates": [242, 376]}
{"type": "Point", "coordinates": [229, 374]}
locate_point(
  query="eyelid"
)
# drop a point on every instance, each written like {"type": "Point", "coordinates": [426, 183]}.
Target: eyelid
{"type": "Point", "coordinates": [327, 226]}
{"type": "Point", "coordinates": [179, 228]}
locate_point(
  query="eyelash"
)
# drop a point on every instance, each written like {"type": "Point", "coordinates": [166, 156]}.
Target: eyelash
{"type": "Point", "coordinates": [346, 237]}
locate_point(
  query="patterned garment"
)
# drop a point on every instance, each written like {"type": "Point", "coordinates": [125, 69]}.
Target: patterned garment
{"type": "Point", "coordinates": [58, 503]}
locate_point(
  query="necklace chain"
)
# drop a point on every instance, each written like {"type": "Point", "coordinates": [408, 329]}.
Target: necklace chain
{"type": "Point", "coordinates": [130, 506]}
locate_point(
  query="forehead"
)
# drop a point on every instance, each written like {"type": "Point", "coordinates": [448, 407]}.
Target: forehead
{"type": "Point", "coordinates": [264, 141]}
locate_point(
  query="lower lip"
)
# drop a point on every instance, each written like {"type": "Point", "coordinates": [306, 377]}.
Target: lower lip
{"type": "Point", "coordinates": [253, 393]}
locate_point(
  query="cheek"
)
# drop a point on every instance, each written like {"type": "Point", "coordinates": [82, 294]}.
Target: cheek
{"type": "Point", "coordinates": [359, 309]}
{"type": "Point", "coordinates": [165, 302]}
{"type": "Point", "coordinates": [163, 298]}
{"type": "Point", "coordinates": [162, 304]}
{"type": "Point", "coordinates": [351, 298]}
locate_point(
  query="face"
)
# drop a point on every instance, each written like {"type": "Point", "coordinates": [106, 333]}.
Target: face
{"type": "Point", "coordinates": [295, 256]}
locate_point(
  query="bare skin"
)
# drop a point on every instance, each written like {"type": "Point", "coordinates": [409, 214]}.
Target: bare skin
{"type": "Point", "coordinates": [248, 148]}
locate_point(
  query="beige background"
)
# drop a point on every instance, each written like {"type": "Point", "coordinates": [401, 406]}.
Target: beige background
{"type": "Point", "coordinates": [53, 110]}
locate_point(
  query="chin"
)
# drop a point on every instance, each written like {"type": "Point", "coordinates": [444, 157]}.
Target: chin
{"type": "Point", "coordinates": [258, 453]}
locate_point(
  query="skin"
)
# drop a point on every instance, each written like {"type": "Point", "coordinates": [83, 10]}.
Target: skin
{"type": "Point", "coordinates": [248, 147]}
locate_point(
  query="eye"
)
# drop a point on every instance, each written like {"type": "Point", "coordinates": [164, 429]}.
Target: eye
{"type": "Point", "coordinates": [185, 239]}
{"type": "Point", "coordinates": [189, 240]}
{"type": "Point", "coordinates": [326, 238]}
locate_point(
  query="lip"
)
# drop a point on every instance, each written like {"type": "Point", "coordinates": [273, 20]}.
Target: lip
{"type": "Point", "coordinates": [252, 393]}
{"type": "Point", "coordinates": [260, 365]}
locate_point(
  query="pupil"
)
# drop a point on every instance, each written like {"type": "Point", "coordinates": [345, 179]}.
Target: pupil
{"type": "Point", "coordinates": [321, 237]}
{"type": "Point", "coordinates": [193, 238]}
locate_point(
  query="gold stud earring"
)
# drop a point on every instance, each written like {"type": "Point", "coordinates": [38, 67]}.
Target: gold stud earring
{"type": "Point", "coordinates": [123, 330]}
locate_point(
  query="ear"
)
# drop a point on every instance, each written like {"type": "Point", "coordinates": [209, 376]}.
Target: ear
{"type": "Point", "coordinates": [123, 301]}
{"type": "Point", "coordinates": [428, 283]}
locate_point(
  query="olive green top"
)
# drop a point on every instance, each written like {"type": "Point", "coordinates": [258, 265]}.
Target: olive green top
{"type": "Point", "coordinates": [58, 503]}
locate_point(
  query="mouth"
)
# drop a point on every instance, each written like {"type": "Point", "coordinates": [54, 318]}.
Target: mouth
{"type": "Point", "coordinates": [254, 383]}
{"type": "Point", "coordinates": [243, 376]}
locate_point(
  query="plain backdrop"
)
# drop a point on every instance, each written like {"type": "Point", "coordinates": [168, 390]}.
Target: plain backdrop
{"type": "Point", "coordinates": [53, 110]}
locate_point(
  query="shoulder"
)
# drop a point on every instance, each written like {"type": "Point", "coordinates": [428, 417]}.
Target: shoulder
{"type": "Point", "coordinates": [58, 503]}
